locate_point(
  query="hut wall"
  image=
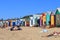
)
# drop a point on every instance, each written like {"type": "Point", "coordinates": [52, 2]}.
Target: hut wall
{"type": "Point", "coordinates": [31, 21]}
{"type": "Point", "coordinates": [41, 20]}
{"type": "Point", "coordinates": [57, 20]}
{"type": "Point", "coordinates": [27, 22]}
{"type": "Point", "coordinates": [35, 20]}
{"type": "Point", "coordinates": [38, 20]}
{"type": "Point", "coordinates": [22, 22]}
{"type": "Point", "coordinates": [44, 17]}
{"type": "Point", "coordinates": [10, 23]}
{"type": "Point", "coordinates": [47, 19]}
{"type": "Point", "coordinates": [13, 23]}
{"type": "Point", "coordinates": [57, 13]}
{"type": "Point", "coordinates": [52, 21]}
{"type": "Point", "coordinates": [6, 23]}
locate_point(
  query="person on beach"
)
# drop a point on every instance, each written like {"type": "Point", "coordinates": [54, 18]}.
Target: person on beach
{"type": "Point", "coordinates": [17, 25]}
{"type": "Point", "coordinates": [1, 24]}
{"type": "Point", "coordinates": [52, 34]}
{"type": "Point", "coordinates": [44, 27]}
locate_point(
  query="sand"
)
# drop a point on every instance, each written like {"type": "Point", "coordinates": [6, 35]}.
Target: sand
{"type": "Point", "coordinates": [27, 33]}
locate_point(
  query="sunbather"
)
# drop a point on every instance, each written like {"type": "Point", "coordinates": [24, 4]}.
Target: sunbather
{"type": "Point", "coordinates": [54, 34]}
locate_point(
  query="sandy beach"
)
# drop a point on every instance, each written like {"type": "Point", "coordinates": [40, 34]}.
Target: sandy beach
{"type": "Point", "coordinates": [27, 33]}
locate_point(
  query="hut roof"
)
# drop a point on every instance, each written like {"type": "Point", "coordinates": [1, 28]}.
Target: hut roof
{"type": "Point", "coordinates": [27, 16]}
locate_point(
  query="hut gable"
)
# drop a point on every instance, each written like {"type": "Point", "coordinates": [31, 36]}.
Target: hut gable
{"type": "Point", "coordinates": [57, 11]}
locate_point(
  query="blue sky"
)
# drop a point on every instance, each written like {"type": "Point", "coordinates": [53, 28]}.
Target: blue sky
{"type": "Point", "coordinates": [20, 8]}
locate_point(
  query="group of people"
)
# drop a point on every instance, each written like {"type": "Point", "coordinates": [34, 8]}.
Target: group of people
{"type": "Point", "coordinates": [18, 24]}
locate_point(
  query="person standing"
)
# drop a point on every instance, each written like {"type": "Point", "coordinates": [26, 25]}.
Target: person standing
{"type": "Point", "coordinates": [1, 24]}
{"type": "Point", "coordinates": [44, 28]}
{"type": "Point", "coordinates": [44, 25]}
